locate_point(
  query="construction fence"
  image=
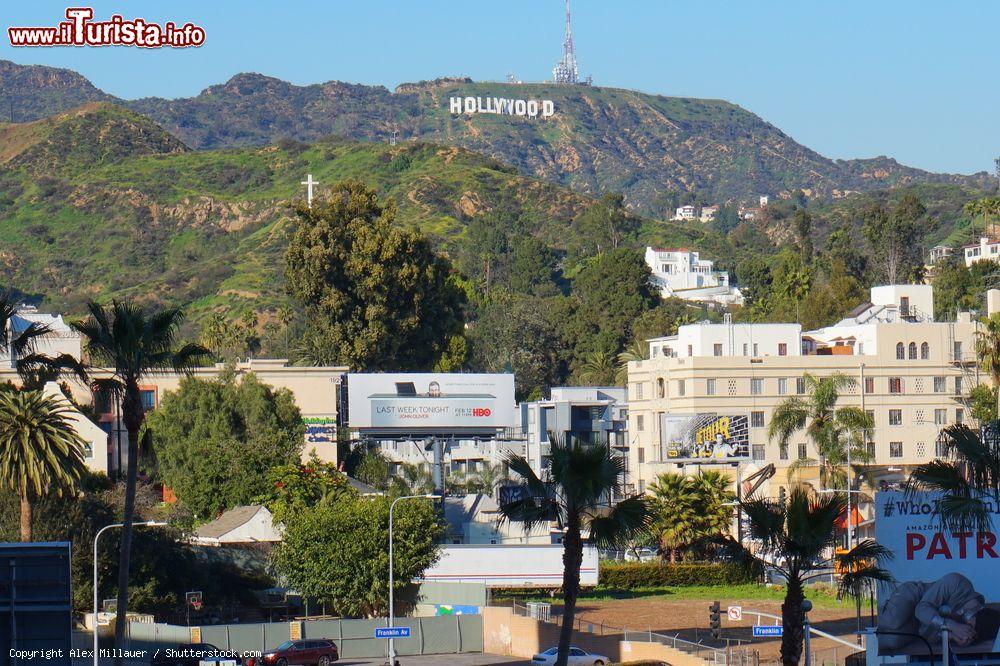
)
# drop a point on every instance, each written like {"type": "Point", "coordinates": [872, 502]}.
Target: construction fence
{"type": "Point", "coordinates": [452, 634]}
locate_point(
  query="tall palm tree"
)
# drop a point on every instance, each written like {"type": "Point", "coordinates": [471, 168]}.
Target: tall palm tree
{"type": "Point", "coordinates": [40, 450]}
{"type": "Point", "coordinates": [970, 482]}
{"type": "Point", "coordinates": [834, 431]}
{"type": "Point", "coordinates": [794, 539]}
{"type": "Point", "coordinates": [576, 496]}
{"type": "Point", "coordinates": [133, 344]}
{"type": "Point", "coordinates": [988, 348]}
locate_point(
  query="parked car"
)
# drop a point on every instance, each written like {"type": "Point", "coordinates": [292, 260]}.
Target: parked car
{"type": "Point", "coordinates": [577, 657]}
{"type": "Point", "coordinates": [312, 652]}
{"type": "Point", "coordinates": [195, 654]}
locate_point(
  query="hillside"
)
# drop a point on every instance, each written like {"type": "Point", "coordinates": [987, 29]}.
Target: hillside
{"type": "Point", "coordinates": [119, 215]}
{"type": "Point", "coordinates": [599, 140]}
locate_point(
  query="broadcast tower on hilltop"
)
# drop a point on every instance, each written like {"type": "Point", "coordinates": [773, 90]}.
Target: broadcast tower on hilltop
{"type": "Point", "coordinates": [566, 71]}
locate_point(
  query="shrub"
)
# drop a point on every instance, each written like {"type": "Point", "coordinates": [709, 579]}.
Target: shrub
{"type": "Point", "coordinates": [634, 575]}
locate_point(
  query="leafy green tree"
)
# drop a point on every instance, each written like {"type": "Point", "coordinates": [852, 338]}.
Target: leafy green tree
{"type": "Point", "coordinates": [603, 227]}
{"type": "Point", "coordinates": [833, 430]}
{"type": "Point", "coordinates": [294, 487]}
{"type": "Point", "coordinates": [134, 344]}
{"type": "Point", "coordinates": [793, 539]}
{"type": "Point", "coordinates": [40, 450]}
{"type": "Point", "coordinates": [983, 399]}
{"type": "Point", "coordinates": [215, 438]}
{"type": "Point", "coordinates": [339, 552]}
{"type": "Point", "coordinates": [512, 335]}
{"type": "Point", "coordinates": [841, 247]}
{"type": "Point", "coordinates": [802, 223]}
{"type": "Point", "coordinates": [755, 279]}
{"type": "Point", "coordinates": [894, 240]}
{"type": "Point", "coordinates": [637, 350]}
{"type": "Point", "coordinates": [534, 269]}
{"type": "Point", "coordinates": [599, 368]}
{"type": "Point", "coordinates": [232, 339]}
{"type": "Point", "coordinates": [988, 347]}
{"type": "Point", "coordinates": [376, 295]}
{"type": "Point", "coordinates": [690, 509]}
{"type": "Point", "coordinates": [667, 317]}
{"type": "Point", "coordinates": [576, 496]}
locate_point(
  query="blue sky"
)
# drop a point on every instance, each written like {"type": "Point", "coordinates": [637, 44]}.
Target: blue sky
{"type": "Point", "coordinates": [913, 80]}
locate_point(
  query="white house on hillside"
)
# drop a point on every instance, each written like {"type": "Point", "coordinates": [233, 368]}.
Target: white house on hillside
{"type": "Point", "coordinates": [60, 339]}
{"type": "Point", "coordinates": [985, 250]}
{"type": "Point", "coordinates": [682, 273]}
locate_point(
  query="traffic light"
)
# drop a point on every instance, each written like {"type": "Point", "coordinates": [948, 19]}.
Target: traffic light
{"type": "Point", "coordinates": [714, 621]}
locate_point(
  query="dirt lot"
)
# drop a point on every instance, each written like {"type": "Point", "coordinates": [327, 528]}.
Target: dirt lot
{"type": "Point", "coordinates": [688, 619]}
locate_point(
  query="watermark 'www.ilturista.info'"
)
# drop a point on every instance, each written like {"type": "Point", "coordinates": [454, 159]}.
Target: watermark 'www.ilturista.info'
{"type": "Point", "coordinates": [81, 30]}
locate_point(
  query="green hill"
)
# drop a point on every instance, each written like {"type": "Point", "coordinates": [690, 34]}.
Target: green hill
{"type": "Point", "coordinates": [650, 147]}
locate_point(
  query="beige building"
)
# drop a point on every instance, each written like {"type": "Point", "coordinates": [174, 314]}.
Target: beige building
{"type": "Point", "coordinates": [913, 375]}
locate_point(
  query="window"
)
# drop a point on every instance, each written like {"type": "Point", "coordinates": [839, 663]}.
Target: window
{"type": "Point", "coordinates": [958, 386]}
{"type": "Point", "coordinates": [710, 387]}
{"type": "Point", "coordinates": [756, 386]}
{"type": "Point", "coordinates": [904, 306]}
{"type": "Point", "coordinates": [800, 385]}
{"type": "Point", "coordinates": [102, 402]}
{"type": "Point", "coordinates": [900, 351]}
{"type": "Point", "coordinates": [717, 349]}
{"type": "Point", "coordinates": [802, 452]}
{"type": "Point", "coordinates": [959, 415]}
{"type": "Point", "coordinates": [640, 423]}
{"type": "Point", "coordinates": [758, 452]}
{"type": "Point", "coordinates": [940, 416]}
{"type": "Point", "coordinates": [895, 384]}
{"type": "Point", "coordinates": [690, 350]}
{"type": "Point", "coordinates": [782, 386]}
{"type": "Point", "coordinates": [925, 351]}
{"type": "Point", "coordinates": [913, 351]}
{"type": "Point", "coordinates": [869, 384]}
{"type": "Point", "coordinates": [782, 349]}
{"type": "Point", "coordinates": [681, 387]}
{"type": "Point", "coordinates": [870, 447]}
{"type": "Point", "coordinates": [870, 413]}
{"type": "Point", "coordinates": [783, 451]}
{"type": "Point", "coordinates": [957, 350]}
{"type": "Point", "coordinates": [745, 349]}
{"type": "Point", "coordinates": [638, 391]}
{"type": "Point", "coordinates": [895, 417]}
{"type": "Point", "coordinates": [148, 399]}
{"type": "Point", "coordinates": [88, 450]}
{"type": "Point", "coordinates": [642, 454]}
{"type": "Point", "coordinates": [942, 447]}
{"type": "Point", "coordinates": [895, 449]}
{"type": "Point", "coordinates": [755, 353]}
{"type": "Point", "coordinates": [756, 419]}
{"type": "Point", "coordinates": [659, 387]}
{"type": "Point", "coordinates": [939, 385]}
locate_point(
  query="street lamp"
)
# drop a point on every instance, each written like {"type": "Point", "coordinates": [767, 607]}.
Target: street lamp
{"type": "Point", "coordinates": [150, 523]}
{"type": "Point", "coordinates": [392, 608]}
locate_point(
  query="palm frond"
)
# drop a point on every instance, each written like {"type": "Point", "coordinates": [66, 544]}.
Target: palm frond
{"type": "Point", "coordinates": [625, 522]}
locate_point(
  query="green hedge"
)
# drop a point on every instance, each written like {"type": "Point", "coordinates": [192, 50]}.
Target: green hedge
{"type": "Point", "coordinates": [634, 575]}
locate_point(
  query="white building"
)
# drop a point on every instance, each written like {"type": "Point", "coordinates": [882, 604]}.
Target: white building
{"type": "Point", "coordinates": [985, 250]}
{"type": "Point", "coordinates": [687, 212]}
{"type": "Point", "coordinates": [60, 339]}
{"type": "Point", "coordinates": [682, 273]}
{"type": "Point", "coordinates": [937, 253]}
{"type": "Point", "coordinates": [708, 213]}
{"type": "Point", "coordinates": [239, 525]}
{"type": "Point", "coordinates": [912, 374]}
{"type": "Point", "coordinates": [96, 453]}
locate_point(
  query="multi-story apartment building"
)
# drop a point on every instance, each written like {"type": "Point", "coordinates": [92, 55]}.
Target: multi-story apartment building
{"type": "Point", "coordinates": [913, 375]}
{"type": "Point", "coordinates": [682, 273]}
{"type": "Point", "coordinates": [985, 250]}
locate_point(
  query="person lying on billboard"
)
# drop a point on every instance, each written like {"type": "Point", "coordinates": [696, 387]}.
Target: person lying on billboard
{"type": "Point", "coordinates": [918, 607]}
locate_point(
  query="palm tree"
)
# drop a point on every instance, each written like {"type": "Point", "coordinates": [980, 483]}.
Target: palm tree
{"type": "Point", "coordinates": [40, 450]}
{"type": "Point", "coordinates": [988, 348]}
{"type": "Point", "coordinates": [133, 344]}
{"type": "Point", "coordinates": [598, 369]}
{"type": "Point", "coordinates": [970, 482]}
{"type": "Point", "coordinates": [636, 351]}
{"type": "Point", "coordinates": [835, 432]}
{"type": "Point", "coordinates": [690, 509]}
{"type": "Point", "coordinates": [794, 539]}
{"type": "Point", "coordinates": [576, 495]}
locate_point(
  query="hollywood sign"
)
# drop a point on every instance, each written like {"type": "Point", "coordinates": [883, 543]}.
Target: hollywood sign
{"type": "Point", "coordinates": [527, 108]}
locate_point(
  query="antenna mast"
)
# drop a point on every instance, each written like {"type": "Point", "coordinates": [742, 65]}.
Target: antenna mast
{"type": "Point", "coordinates": [566, 70]}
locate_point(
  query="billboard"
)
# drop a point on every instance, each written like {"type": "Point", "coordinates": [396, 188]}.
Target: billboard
{"type": "Point", "coordinates": [509, 565]}
{"type": "Point", "coordinates": [940, 577]}
{"type": "Point", "coordinates": [704, 437]}
{"type": "Point", "coordinates": [430, 402]}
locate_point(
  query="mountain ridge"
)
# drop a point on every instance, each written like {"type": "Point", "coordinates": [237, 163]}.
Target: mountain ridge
{"type": "Point", "coordinates": [653, 148]}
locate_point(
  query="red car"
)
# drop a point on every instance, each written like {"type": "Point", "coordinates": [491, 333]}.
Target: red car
{"type": "Point", "coordinates": [311, 652]}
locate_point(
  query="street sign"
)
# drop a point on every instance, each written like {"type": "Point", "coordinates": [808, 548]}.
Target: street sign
{"type": "Point", "coordinates": [767, 631]}
{"type": "Point", "coordinates": [392, 632]}
{"type": "Point", "coordinates": [735, 613]}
